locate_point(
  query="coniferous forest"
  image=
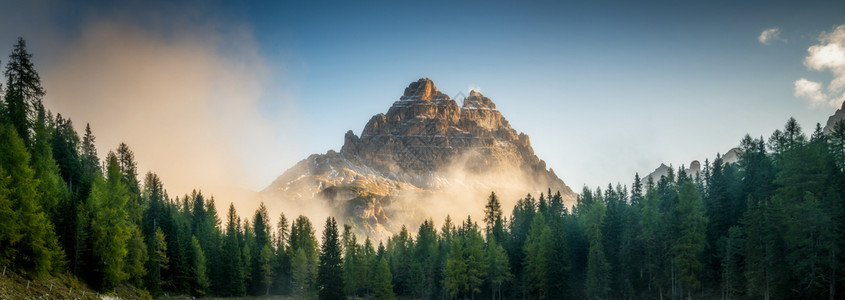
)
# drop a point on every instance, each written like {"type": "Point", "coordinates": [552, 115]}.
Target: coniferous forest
{"type": "Point", "coordinates": [768, 226]}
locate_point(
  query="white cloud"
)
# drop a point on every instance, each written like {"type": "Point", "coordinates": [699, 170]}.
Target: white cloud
{"type": "Point", "coordinates": [810, 90]}
{"type": "Point", "coordinates": [827, 55]}
{"type": "Point", "coordinates": [767, 36]}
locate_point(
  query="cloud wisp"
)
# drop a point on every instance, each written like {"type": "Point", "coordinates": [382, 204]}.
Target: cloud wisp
{"type": "Point", "coordinates": [770, 35]}
{"type": "Point", "coordinates": [827, 55]}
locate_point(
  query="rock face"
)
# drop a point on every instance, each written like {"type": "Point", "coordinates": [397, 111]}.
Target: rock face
{"type": "Point", "coordinates": [424, 148]}
{"type": "Point", "coordinates": [836, 117]}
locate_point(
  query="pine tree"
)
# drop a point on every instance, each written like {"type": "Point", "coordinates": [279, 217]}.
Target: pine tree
{"type": "Point", "coordinates": [110, 224]}
{"type": "Point", "coordinates": [476, 261]}
{"type": "Point", "coordinates": [200, 282]}
{"type": "Point", "coordinates": [300, 270]}
{"type": "Point", "coordinates": [493, 218]}
{"type": "Point", "coordinates": [232, 284]}
{"type": "Point", "coordinates": [158, 262]}
{"type": "Point", "coordinates": [498, 268]}
{"type": "Point", "coordinates": [302, 237]}
{"type": "Point", "coordinates": [538, 256]}
{"type": "Point", "coordinates": [330, 271]}
{"type": "Point", "coordinates": [282, 268]}
{"type": "Point", "coordinates": [261, 263]}
{"type": "Point", "coordinates": [731, 263]}
{"type": "Point", "coordinates": [23, 92]}
{"type": "Point", "coordinates": [51, 188]}
{"type": "Point", "coordinates": [31, 243]}
{"type": "Point", "coordinates": [691, 242]}
{"type": "Point", "coordinates": [598, 270]}
{"type": "Point", "coordinates": [383, 286]}
{"type": "Point", "coordinates": [425, 260]}
{"type": "Point", "coordinates": [456, 270]}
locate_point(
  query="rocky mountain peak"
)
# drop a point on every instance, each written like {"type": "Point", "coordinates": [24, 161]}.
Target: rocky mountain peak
{"type": "Point", "coordinates": [477, 101]}
{"type": "Point", "coordinates": [423, 89]}
{"type": "Point", "coordinates": [425, 145]}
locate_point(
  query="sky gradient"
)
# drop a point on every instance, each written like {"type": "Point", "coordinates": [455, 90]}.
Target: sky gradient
{"type": "Point", "coordinates": [228, 95]}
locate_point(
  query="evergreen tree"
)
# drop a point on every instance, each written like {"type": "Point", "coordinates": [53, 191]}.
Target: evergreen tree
{"type": "Point", "coordinates": [51, 187]}
{"type": "Point", "coordinates": [31, 244]}
{"type": "Point", "coordinates": [493, 218]}
{"type": "Point", "coordinates": [302, 237]}
{"type": "Point", "coordinates": [282, 256]}
{"type": "Point", "coordinates": [23, 92]}
{"type": "Point", "coordinates": [383, 286]}
{"type": "Point", "coordinates": [731, 263]}
{"type": "Point", "coordinates": [158, 262]}
{"type": "Point", "coordinates": [330, 271]}
{"type": "Point", "coordinates": [691, 242]}
{"type": "Point", "coordinates": [498, 268]}
{"type": "Point", "coordinates": [110, 230]}
{"type": "Point", "coordinates": [425, 260]}
{"type": "Point", "coordinates": [262, 259]}
{"type": "Point", "coordinates": [538, 256]}
{"type": "Point", "coordinates": [598, 270]}
{"type": "Point", "coordinates": [300, 270]}
{"type": "Point", "coordinates": [232, 283]}
{"type": "Point", "coordinates": [199, 278]}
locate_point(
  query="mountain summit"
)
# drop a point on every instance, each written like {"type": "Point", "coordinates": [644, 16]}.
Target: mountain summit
{"type": "Point", "coordinates": [425, 152]}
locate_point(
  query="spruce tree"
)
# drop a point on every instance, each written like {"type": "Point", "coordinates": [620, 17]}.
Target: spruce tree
{"type": "Point", "coordinates": [110, 230]}
{"type": "Point", "coordinates": [689, 247]}
{"type": "Point", "coordinates": [232, 283]}
{"type": "Point", "coordinates": [538, 255]}
{"type": "Point", "coordinates": [300, 270]}
{"type": "Point", "coordinates": [23, 92]}
{"type": "Point", "coordinates": [32, 245]}
{"type": "Point", "coordinates": [493, 218]}
{"type": "Point", "coordinates": [330, 271]}
{"type": "Point", "coordinates": [383, 286]}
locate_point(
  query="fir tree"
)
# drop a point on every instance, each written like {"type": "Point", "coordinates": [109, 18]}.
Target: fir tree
{"type": "Point", "coordinates": [383, 286]}
{"type": "Point", "coordinates": [23, 92]}
{"type": "Point", "coordinates": [330, 271]}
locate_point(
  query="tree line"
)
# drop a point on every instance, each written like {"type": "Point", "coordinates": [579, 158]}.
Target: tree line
{"type": "Point", "coordinates": [767, 226]}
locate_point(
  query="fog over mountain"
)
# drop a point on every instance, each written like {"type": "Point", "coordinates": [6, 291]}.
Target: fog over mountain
{"type": "Point", "coordinates": [426, 157]}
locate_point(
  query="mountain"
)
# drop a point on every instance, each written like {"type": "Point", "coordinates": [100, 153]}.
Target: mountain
{"type": "Point", "coordinates": [732, 156]}
{"type": "Point", "coordinates": [422, 157]}
{"type": "Point", "coordinates": [836, 117]}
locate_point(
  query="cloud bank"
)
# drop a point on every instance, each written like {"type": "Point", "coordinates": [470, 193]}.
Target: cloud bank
{"type": "Point", "coordinates": [827, 55]}
{"type": "Point", "coordinates": [186, 101]}
{"type": "Point", "coordinates": [769, 35]}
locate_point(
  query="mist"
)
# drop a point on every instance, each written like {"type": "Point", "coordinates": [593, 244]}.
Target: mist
{"type": "Point", "coordinates": [187, 102]}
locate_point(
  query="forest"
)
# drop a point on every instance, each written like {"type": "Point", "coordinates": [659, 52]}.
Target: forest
{"type": "Point", "coordinates": [768, 226]}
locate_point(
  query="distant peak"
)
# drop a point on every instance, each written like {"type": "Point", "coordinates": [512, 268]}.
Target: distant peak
{"type": "Point", "coordinates": [422, 89]}
{"type": "Point", "coordinates": [477, 101]}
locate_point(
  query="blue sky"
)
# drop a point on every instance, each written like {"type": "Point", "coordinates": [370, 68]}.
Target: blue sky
{"type": "Point", "coordinates": [603, 88]}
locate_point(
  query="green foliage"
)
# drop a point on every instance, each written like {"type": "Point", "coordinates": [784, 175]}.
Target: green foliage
{"type": "Point", "coordinates": [690, 245]}
{"type": "Point", "coordinates": [493, 218]}
{"type": "Point", "coordinates": [598, 269]}
{"type": "Point", "coordinates": [200, 282]}
{"type": "Point", "coordinates": [23, 92]}
{"type": "Point", "coordinates": [300, 268]}
{"type": "Point", "coordinates": [498, 268]}
{"type": "Point", "coordinates": [382, 286]}
{"type": "Point", "coordinates": [110, 227]}
{"type": "Point", "coordinates": [232, 282]}
{"type": "Point", "coordinates": [538, 256]}
{"type": "Point", "coordinates": [330, 271]}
